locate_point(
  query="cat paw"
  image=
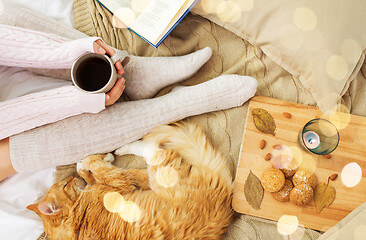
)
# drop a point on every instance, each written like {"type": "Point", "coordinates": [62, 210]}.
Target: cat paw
{"type": "Point", "coordinates": [109, 157]}
{"type": "Point", "coordinates": [80, 166]}
{"type": "Point", "coordinates": [122, 150]}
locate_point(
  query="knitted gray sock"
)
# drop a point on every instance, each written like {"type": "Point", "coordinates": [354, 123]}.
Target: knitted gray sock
{"type": "Point", "coordinates": [70, 140]}
{"type": "Point", "coordinates": [145, 76]}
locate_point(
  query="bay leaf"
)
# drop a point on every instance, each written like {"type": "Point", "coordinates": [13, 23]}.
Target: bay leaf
{"type": "Point", "coordinates": [324, 195]}
{"type": "Point", "coordinates": [253, 191]}
{"type": "Point", "coordinates": [263, 121]}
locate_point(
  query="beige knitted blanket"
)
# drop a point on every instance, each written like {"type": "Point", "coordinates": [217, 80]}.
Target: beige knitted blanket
{"type": "Point", "coordinates": [232, 55]}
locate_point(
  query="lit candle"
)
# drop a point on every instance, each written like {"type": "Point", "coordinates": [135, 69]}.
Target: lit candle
{"type": "Point", "coordinates": [311, 140]}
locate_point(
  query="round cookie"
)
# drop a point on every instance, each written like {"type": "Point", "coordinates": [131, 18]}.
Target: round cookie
{"type": "Point", "coordinates": [301, 194]}
{"type": "Point", "coordinates": [304, 176]}
{"type": "Point", "coordinates": [284, 194]}
{"type": "Point", "coordinates": [273, 180]}
{"type": "Point", "coordinates": [290, 170]}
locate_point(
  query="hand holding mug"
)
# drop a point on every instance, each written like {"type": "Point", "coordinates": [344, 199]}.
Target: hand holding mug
{"type": "Point", "coordinates": [115, 93]}
{"type": "Point", "coordinates": [102, 48]}
{"type": "Point", "coordinates": [97, 72]}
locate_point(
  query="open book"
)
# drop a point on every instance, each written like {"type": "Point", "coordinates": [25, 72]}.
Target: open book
{"type": "Point", "coordinates": [156, 20]}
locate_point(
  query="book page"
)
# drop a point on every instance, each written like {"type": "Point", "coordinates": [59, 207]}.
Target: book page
{"type": "Point", "coordinates": [176, 18]}
{"type": "Point", "coordinates": [153, 21]}
{"type": "Point", "coordinates": [114, 5]}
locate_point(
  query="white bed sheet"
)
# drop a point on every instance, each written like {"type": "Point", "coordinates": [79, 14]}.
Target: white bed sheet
{"type": "Point", "coordinates": [57, 9]}
{"type": "Point", "coordinates": [16, 193]}
{"type": "Point", "coordinates": [21, 190]}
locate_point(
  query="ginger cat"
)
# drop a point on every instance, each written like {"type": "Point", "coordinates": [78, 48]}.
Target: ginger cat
{"type": "Point", "coordinates": [185, 193]}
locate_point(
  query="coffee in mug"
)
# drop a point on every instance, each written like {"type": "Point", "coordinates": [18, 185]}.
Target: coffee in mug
{"type": "Point", "coordinates": [95, 73]}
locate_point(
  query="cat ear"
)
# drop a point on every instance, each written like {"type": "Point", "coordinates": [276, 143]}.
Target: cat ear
{"type": "Point", "coordinates": [47, 208]}
{"type": "Point", "coordinates": [34, 208]}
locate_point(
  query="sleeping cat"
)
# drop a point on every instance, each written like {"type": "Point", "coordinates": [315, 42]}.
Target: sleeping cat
{"type": "Point", "coordinates": [185, 192]}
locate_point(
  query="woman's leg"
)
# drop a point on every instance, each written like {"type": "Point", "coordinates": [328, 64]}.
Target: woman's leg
{"type": "Point", "coordinates": [6, 167]}
{"type": "Point", "coordinates": [74, 138]}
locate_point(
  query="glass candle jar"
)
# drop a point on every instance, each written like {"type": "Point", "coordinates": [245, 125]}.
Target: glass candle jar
{"type": "Point", "coordinates": [319, 136]}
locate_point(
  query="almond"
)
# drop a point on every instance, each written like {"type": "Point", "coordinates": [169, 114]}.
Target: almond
{"type": "Point", "coordinates": [277, 147]}
{"type": "Point", "coordinates": [328, 156]}
{"type": "Point", "coordinates": [268, 157]}
{"type": "Point", "coordinates": [287, 115]}
{"type": "Point", "coordinates": [333, 176]}
{"type": "Point", "coordinates": [262, 144]}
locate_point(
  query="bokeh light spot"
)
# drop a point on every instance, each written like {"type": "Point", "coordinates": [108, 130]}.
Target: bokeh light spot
{"type": "Point", "coordinates": [228, 11]}
{"type": "Point", "coordinates": [308, 163]}
{"type": "Point", "coordinates": [337, 67]}
{"type": "Point", "coordinates": [149, 152]}
{"type": "Point", "coordinates": [130, 212]}
{"type": "Point", "coordinates": [281, 157]}
{"type": "Point", "coordinates": [287, 224]}
{"type": "Point", "coordinates": [327, 129]}
{"type": "Point", "coordinates": [290, 38]}
{"type": "Point", "coordinates": [297, 235]}
{"type": "Point", "coordinates": [123, 18]}
{"type": "Point", "coordinates": [166, 176]}
{"type": "Point", "coordinates": [339, 115]}
{"type": "Point", "coordinates": [305, 19]}
{"type": "Point", "coordinates": [209, 6]}
{"type": "Point", "coordinates": [297, 155]}
{"type": "Point", "coordinates": [113, 202]}
{"type": "Point", "coordinates": [360, 232]}
{"type": "Point", "coordinates": [351, 50]}
{"type": "Point", "coordinates": [245, 5]}
{"type": "Point", "coordinates": [351, 174]}
{"type": "Point", "coordinates": [139, 5]}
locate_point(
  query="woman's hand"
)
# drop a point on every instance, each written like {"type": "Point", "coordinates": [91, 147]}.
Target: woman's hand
{"type": "Point", "coordinates": [6, 167]}
{"type": "Point", "coordinates": [115, 93]}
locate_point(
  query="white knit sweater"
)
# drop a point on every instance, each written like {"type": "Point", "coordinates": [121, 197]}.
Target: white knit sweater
{"type": "Point", "coordinates": [31, 49]}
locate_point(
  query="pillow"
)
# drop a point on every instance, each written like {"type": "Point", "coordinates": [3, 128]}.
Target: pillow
{"type": "Point", "coordinates": [351, 227]}
{"type": "Point", "coordinates": [321, 42]}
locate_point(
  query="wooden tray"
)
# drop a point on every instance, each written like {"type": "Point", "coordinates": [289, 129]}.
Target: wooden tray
{"type": "Point", "coordinates": [351, 148]}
